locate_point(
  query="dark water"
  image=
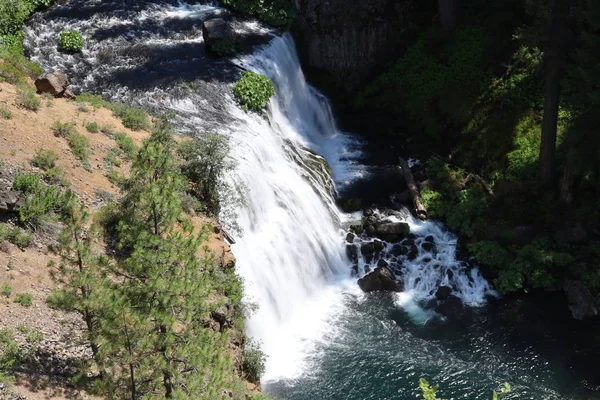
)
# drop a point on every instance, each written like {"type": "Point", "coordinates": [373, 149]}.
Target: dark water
{"type": "Point", "coordinates": [379, 353]}
{"type": "Point", "coordinates": [137, 52]}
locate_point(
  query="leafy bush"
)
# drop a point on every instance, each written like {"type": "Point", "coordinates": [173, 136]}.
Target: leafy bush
{"type": "Point", "coordinates": [95, 100]}
{"type": "Point", "coordinates": [56, 176]}
{"type": "Point", "coordinates": [523, 159]}
{"type": "Point", "coordinates": [223, 48]}
{"type": "Point", "coordinates": [44, 159]}
{"type": "Point", "coordinates": [24, 299]}
{"type": "Point", "coordinates": [41, 199]}
{"type": "Point", "coordinates": [132, 117]}
{"type": "Point", "coordinates": [92, 127]}
{"type": "Point", "coordinates": [126, 144]}
{"type": "Point", "coordinates": [429, 392]}
{"type": "Point", "coordinates": [253, 361]}
{"type": "Point", "coordinates": [15, 235]}
{"type": "Point", "coordinates": [253, 91]}
{"type": "Point", "coordinates": [9, 351]}
{"type": "Point", "coordinates": [71, 41]}
{"type": "Point", "coordinates": [5, 112]}
{"type": "Point", "coordinates": [79, 145]}
{"type": "Point", "coordinates": [63, 129]}
{"type": "Point", "coordinates": [279, 13]}
{"type": "Point", "coordinates": [6, 290]}
{"type": "Point", "coordinates": [27, 99]}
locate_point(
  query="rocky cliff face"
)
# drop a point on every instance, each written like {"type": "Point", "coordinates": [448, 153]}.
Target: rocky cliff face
{"type": "Point", "coordinates": [349, 40]}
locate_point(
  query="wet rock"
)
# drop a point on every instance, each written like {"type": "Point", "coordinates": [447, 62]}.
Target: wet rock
{"type": "Point", "coordinates": [576, 234]}
{"type": "Point", "coordinates": [382, 263]}
{"type": "Point", "coordinates": [54, 83]}
{"type": "Point", "coordinates": [392, 231]}
{"type": "Point", "coordinates": [581, 301]}
{"type": "Point", "coordinates": [378, 245]}
{"type": "Point", "coordinates": [367, 248]}
{"type": "Point", "coordinates": [399, 250]}
{"type": "Point", "coordinates": [368, 212]}
{"type": "Point", "coordinates": [350, 237]}
{"type": "Point", "coordinates": [443, 293]}
{"type": "Point", "coordinates": [370, 229]}
{"type": "Point", "coordinates": [381, 279]}
{"type": "Point", "coordinates": [413, 253]}
{"type": "Point", "coordinates": [352, 253]}
{"type": "Point", "coordinates": [351, 205]}
{"type": "Point", "coordinates": [355, 270]}
{"type": "Point", "coordinates": [427, 246]}
{"type": "Point", "coordinates": [216, 30]}
{"type": "Point", "coordinates": [451, 307]}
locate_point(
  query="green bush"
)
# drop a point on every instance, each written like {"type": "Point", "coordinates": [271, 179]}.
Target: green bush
{"type": "Point", "coordinates": [126, 144]}
{"type": "Point", "coordinates": [253, 91]}
{"type": "Point", "coordinates": [5, 112]}
{"type": "Point", "coordinates": [92, 127]}
{"type": "Point", "coordinates": [224, 48]}
{"type": "Point", "coordinates": [79, 145]}
{"type": "Point", "coordinates": [133, 118]}
{"type": "Point", "coordinates": [95, 100]}
{"type": "Point", "coordinates": [15, 235]}
{"type": "Point", "coordinates": [27, 99]}
{"type": "Point", "coordinates": [9, 351]}
{"type": "Point", "coordinates": [279, 13]}
{"type": "Point", "coordinates": [63, 129]}
{"type": "Point", "coordinates": [6, 290]}
{"type": "Point", "coordinates": [44, 159]}
{"type": "Point", "coordinates": [24, 299]}
{"type": "Point", "coordinates": [56, 176]}
{"type": "Point", "coordinates": [41, 199]}
{"type": "Point", "coordinates": [71, 41]}
{"type": "Point", "coordinates": [27, 183]}
{"type": "Point", "coordinates": [253, 361]}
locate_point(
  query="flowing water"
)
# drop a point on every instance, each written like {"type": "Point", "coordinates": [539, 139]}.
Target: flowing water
{"type": "Point", "coordinates": [323, 337]}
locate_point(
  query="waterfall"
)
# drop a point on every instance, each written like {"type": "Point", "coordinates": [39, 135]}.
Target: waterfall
{"type": "Point", "coordinates": [290, 251]}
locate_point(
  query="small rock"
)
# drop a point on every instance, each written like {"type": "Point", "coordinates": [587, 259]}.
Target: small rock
{"type": "Point", "coordinates": [350, 237]}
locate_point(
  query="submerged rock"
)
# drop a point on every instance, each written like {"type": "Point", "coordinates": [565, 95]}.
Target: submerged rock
{"type": "Point", "coordinates": [381, 279]}
{"type": "Point", "coordinates": [450, 307]}
{"type": "Point", "coordinates": [350, 237]}
{"type": "Point", "coordinates": [581, 301]}
{"type": "Point", "coordinates": [443, 293]}
{"type": "Point", "coordinates": [352, 252]}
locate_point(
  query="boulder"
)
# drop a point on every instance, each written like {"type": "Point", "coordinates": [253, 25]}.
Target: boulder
{"type": "Point", "coordinates": [351, 205]}
{"type": "Point", "coordinates": [10, 201]}
{"type": "Point", "coordinates": [382, 263]}
{"type": "Point", "coordinates": [576, 234]}
{"type": "Point", "coordinates": [54, 83]}
{"type": "Point", "coordinates": [352, 252]}
{"type": "Point", "coordinates": [215, 30]}
{"type": "Point", "coordinates": [350, 237]}
{"type": "Point", "coordinates": [399, 250]}
{"type": "Point", "coordinates": [378, 245]}
{"type": "Point", "coordinates": [367, 248]}
{"type": "Point", "coordinates": [451, 306]}
{"type": "Point", "coordinates": [443, 293]}
{"type": "Point", "coordinates": [581, 301]}
{"type": "Point", "coordinates": [381, 279]}
{"type": "Point", "coordinates": [392, 231]}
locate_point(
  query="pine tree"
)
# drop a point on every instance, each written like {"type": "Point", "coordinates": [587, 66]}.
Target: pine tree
{"type": "Point", "coordinates": [157, 332]}
{"type": "Point", "coordinates": [81, 271]}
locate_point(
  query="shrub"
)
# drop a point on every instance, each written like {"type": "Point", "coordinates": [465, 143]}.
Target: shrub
{"type": "Point", "coordinates": [63, 129]}
{"type": "Point", "coordinates": [71, 41]}
{"type": "Point", "coordinates": [41, 199]}
{"type": "Point", "coordinates": [133, 118]}
{"type": "Point", "coordinates": [92, 127]}
{"type": "Point", "coordinates": [126, 144]}
{"type": "Point", "coordinates": [15, 235]}
{"type": "Point", "coordinates": [27, 99]}
{"type": "Point", "coordinates": [279, 13]}
{"type": "Point", "coordinates": [79, 145]}
{"type": "Point", "coordinates": [56, 176]}
{"type": "Point", "coordinates": [253, 361]}
{"type": "Point", "coordinates": [224, 48]}
{"type": "Point", "coordinates": [253, 91]}
{"type": "Point", "coordinates": [34, 336]}
{"type": "Point", "coordinates": [44, 159]}
{"type": "Point", "coordinates": [24, 299]}
{"type": "Point", "coordinates": [27, 183]}
{"type": "Point", "coordinates": [9, 351]}
{"type": "Point", "coordinates": [6, 290]}
{"type": "Point", "coordinates": [95, 100]}
{"type": "Point", "coordinates": [5, 112]}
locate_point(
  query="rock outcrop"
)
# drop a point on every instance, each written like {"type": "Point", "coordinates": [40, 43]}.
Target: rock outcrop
{"type": "Point", "coordinates": [216, 30]}
{"type": "Point", "coordinates": [380, 280]}
{"type": "Point", "coordinates": [349, 40]}
{"type": "Point", "coordinates": [581, 301]}
{"type": "Point", "coordinates": [54, 83]}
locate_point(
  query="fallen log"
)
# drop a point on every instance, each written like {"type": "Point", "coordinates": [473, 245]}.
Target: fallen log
{"type": "Point", "coordinates": [415, 195]}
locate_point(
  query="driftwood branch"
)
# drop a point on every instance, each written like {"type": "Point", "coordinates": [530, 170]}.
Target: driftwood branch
{"type": "Point", "coordinates": [413, 190]}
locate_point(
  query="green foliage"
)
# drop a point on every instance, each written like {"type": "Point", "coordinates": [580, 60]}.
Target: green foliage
{"type": "Point", "coordinates": [126, 144]}
{"type": "Point", "coordinates": [34, 336]}
{"type": "Point", "coordinates": [27, 99]}
{"type": "Point", "coordinates": [253, 362]}
{"type": "Point", "coordinates": [24, 299]}
{"type": "Point", "coordinates": [5, 112]}
{"type": "Point", "coordinates": [523, 159]}
{"type": "Point", "coordinates": [63, 129]}
{"type": "Point", "coordinates": [5, 290]}
{"type": "Point", "coordinates": [253, 91]}
{"type": "Point", "coordinates": [80, 146]}
{"type": "Point", "coordinates": [92, 127]}
{"type": "Point", "coordinates": [56, 176]}
{"type": "Point", "coordinates": [95, 100]}
{"type": "Point", "coordinates": [71, 41]}
{"type": "Point", "coordinates": [44, 159]}
{"type": "Point", "coordinates": [41, 199]}
{"type": "Point", "coordinates": [9, 351]}
{"type": "Point", "coordinates": [15, 235]}
{"type": "Point", "coordinates": [204, 164]}
{"type": "Point", "coordinates": [279, 13]}
{"type": "Point", "coordinates": [132, 117]}
{"type": "Point", "coordinates": [430, 392]}
{"type": "Point", "coordinates": [224, 48]}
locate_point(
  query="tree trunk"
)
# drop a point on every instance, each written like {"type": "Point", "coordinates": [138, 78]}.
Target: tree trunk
{"type": "Point", "coordinates": [415, 195]}
{"type": "Point", "coordinates": [555, 56]}
{"type": "Point", "coordinates": [447, 11]}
